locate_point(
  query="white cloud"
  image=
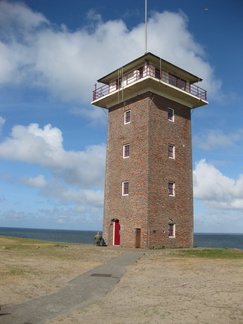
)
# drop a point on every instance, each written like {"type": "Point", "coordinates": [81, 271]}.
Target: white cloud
{"type": "Point", "coordinates": [68, 63]}
{"type": "Point", "coordinates": [215, 138]}
{"type": "Point", "coordinates": [18, 28]}
{"type": "Point", "coordinates": [216, 190]}
{"type": "Point", "coordinates": [31, 144]}
{"type": "Point", "coordinates": [67, 194]}
{"type": "Point", "coordinates": [21, 15]}
{"type": "Point", "coordinates": [38, 181]}
{"type": "Point", "coordinates": [75, 178]}
{"type": "Point", "coordinates": [218, 221]}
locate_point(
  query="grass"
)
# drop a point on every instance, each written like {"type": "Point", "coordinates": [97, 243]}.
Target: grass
{"type": "Point", "coordinates": [213, 253]}
{"type": "Point", "coordinates": [60, 249]}
{"type": "Point", "coordinates": [9, 241]}
{"type": "Point", "coordinates": [28, 257]}
{"type": "Point", "coordinates": [50, 250]}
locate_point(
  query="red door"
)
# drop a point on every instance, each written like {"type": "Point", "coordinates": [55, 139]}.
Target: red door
{"type": "Point", "coordinates": [116, 233]}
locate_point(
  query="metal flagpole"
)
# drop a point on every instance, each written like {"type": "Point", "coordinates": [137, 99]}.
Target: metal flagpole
{"type": "Point", "coordinates": [146, 25]}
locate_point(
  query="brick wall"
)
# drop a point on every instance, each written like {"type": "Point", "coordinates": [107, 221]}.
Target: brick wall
{"type": "Point", "coordinates": [148, 170]}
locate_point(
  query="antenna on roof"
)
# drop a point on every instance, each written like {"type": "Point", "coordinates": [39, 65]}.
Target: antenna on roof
{"type": "Point", "coordinates": [146, 25]}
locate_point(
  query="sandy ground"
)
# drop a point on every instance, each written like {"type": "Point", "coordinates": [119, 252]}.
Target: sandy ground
{"type": "Point", "coordinates": [161, 287]}
{"type": "Point", "coordinates": [28, 272]}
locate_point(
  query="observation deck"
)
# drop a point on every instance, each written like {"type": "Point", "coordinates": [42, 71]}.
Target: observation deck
{"type": "Point", "coordinates": [149, 73]}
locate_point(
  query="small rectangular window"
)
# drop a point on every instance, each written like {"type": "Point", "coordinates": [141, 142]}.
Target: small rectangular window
{"type": "Point", "coordinates": [171, 230]}
{"type": "Point", "coordinates": [170, 114]}
{"type": "Point", "coordinates": [171, 151]}
{"type": "Point", "coordinates": [125, 188]}
{"type": "Point", "coordinates": [126, 151]}
{"type": "Point", "coordinates": [127, 117]}
{"type": "Point", "coordinates": [171, 189]}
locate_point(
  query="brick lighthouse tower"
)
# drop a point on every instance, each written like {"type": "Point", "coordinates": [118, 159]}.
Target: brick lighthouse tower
{"type": "Point", "coordinates": [148, 186]}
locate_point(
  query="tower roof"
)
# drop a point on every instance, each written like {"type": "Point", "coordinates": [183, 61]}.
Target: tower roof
{"type": "Point", "coordinates": [163, 64]}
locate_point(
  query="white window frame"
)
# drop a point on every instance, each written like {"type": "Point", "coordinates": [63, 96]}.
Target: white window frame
{"type": "Point", "coordinates": [124, 151]}
{"type": "Point", "coordinates": [173, 230]}
{"type": "Point", "coordinates": [173, 114]}
{"type": "Point", "coordinates": [123, 188]}
{"type": "Point", "coordinates": [173, 189]}
{"type": "Point", "coordinates": [173, 151]}
{"type": "Point", "coordinates": [125, 114]}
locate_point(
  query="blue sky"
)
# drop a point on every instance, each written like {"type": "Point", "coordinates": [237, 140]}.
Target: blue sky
{"type": "Point", "coordinates": [52, 140]}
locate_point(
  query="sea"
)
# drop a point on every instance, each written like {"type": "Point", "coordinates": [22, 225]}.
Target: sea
{"type": "Point", "coordinates": [210, 240]}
